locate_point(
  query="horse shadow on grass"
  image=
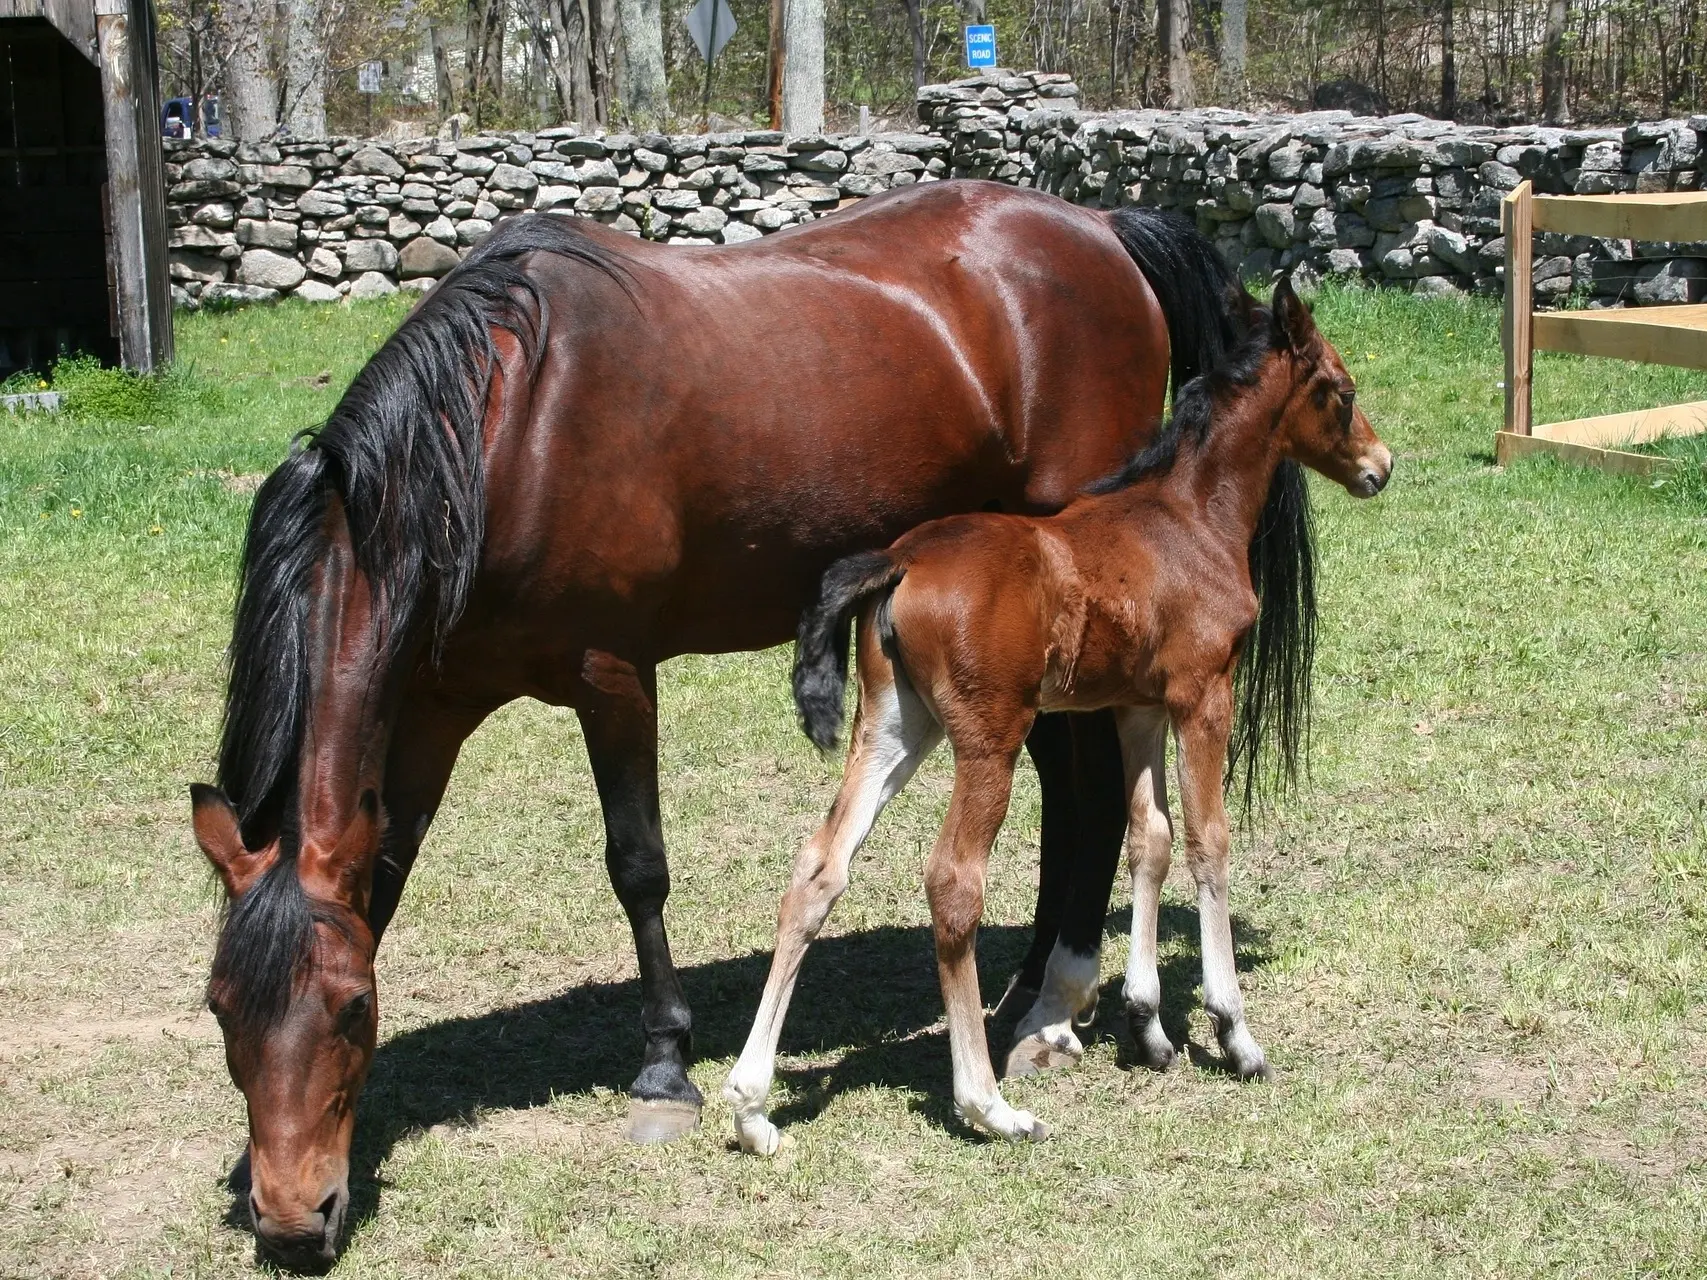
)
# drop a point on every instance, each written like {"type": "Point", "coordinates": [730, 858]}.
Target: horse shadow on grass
{"type": "Point", "coordinates": [867, 1012]}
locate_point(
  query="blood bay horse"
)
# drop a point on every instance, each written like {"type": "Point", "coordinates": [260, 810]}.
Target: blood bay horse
{"type": "Point", "coordinates": [582, 455]}
{"type": "Point", "coordinates": [1137, 597]}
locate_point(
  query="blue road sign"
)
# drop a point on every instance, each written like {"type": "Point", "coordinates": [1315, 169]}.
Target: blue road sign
{"type": "Point", "coordinates": [980, 46]}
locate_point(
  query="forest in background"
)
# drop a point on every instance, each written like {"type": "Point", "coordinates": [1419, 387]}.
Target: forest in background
{"type": "Point", "coordinates": [290, 66]}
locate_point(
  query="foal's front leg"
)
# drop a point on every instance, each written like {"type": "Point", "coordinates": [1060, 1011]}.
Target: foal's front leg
{"type": "Point", "coordinates": [1203, 733]}
{"type": "Point", "coordinates": [892, 733]}
{"type": "Point", "coordinates": [1149, 853]}
{"type": "Point", "coordinates": [954, 883]}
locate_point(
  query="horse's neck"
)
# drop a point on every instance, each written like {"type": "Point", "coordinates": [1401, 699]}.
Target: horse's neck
{"type": "Point", "coordinates": [345, 731]}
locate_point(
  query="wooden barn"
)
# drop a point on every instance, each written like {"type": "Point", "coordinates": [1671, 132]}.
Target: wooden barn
{"type": "Point", "coordinates": [82, 203]}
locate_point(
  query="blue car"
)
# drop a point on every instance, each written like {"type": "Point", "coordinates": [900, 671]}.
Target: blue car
{"type": "Point", "coordinates": [178, 117]}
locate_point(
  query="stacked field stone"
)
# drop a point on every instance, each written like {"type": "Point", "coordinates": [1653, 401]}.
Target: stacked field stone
{"type": "Point", "coordinates": [1401, 200]}
{"type": "Point", "coordinates": [345, 217]}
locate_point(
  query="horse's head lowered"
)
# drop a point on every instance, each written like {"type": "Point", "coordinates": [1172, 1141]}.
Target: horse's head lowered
{"type": "Point", "coordinates": [293, 989]}
{"type": "Point", "coordinates": [1321, 424]}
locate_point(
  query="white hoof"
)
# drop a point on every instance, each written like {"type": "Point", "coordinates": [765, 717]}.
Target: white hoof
{"type": "Point", "coordinates": [758, 1136]}
{"type": "Point", "coordinates": [998, 1118]}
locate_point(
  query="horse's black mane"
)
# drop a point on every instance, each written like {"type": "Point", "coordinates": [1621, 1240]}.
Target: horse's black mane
{"type": "Point", "coordinates": [1272, 731]}
{"type": "Point", "coordinates": [402, 453]}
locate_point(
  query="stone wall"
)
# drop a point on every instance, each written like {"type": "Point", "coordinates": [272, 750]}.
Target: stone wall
{"type": "Point", "coordinates": [346, 217]}
{"type": "Point", "coordinates": [1400, 200]}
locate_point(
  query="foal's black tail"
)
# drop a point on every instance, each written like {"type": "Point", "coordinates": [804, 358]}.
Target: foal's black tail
{"type": "Point", "coordinates": [1205, 306]}
{"type": "Point", "coordinates": [821, 651]}
{"type": "Point", "coordinates": [1196, 289]}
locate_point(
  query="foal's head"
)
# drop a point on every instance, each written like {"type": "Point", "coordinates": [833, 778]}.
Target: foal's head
{"type": "Point", "coordinates": [1321, 425]}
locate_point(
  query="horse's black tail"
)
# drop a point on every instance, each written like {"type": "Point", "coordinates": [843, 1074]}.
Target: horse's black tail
{"type": "Point", "coordinates": [1205, 306]}
{"type": "Point", "coordinates": [821, 652]}
{"type": "Point", "coordinates": [1195, 287]}
{"type": "Point", "coordinates": [1272, 731]}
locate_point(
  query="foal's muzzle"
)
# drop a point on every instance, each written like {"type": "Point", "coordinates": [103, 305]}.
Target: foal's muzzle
{"type": "Point", "coordinates": [1373, 474]}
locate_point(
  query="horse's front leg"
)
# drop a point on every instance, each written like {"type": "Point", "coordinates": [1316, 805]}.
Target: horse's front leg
{"type": "Point", "coordinates": [616, 701]}
{"type": "Point", "coordinates": [1203, 731]}
{"type": "Point", "coordinates": [424, 746]}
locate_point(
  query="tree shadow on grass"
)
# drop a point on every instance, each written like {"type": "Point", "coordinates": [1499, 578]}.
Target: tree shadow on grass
{"type": "Point", "coordinates": [867, 1005]}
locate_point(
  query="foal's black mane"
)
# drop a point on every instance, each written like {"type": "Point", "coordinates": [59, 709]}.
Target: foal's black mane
{"type": "Point", "coordinates": [1272, 731]}
{"type": "Point", "coordinates": [402, 452]}
{"type": "Point", "coordinates": [1194, 405]}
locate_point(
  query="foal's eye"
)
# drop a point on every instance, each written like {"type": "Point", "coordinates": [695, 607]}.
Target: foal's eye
{"type": "Point", "coordinates": [353, 1016]}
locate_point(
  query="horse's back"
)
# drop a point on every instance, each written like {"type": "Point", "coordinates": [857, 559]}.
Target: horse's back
{"type": "Point", "coordinates": [710, 427]}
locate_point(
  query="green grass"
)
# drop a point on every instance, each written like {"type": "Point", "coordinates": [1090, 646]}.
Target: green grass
{"type": "Point", "coordinates": [1473, 946]}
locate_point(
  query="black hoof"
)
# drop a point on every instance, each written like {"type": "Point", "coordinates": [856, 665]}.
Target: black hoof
{"type": "Point", "coordinates": [651, 1121]}
{"type": "Point", "coordinates": [1155, 1051]}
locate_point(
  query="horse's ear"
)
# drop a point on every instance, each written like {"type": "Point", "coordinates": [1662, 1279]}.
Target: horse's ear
{"type": "Point", "coordinates": [214, 819]}
{"type": "Point", "coordinates": [347, 868]}
{"type": "Point", "coordinates": [1291, 317]}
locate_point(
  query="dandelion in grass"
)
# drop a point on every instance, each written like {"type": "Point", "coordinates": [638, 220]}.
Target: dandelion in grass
{"type": "Point", "coordinates": [76, 513]}
{"type": "Point", "coordinates": [154, 531]}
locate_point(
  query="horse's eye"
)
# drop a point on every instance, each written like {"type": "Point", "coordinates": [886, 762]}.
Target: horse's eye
{"type": "Point", "coordinates": [353, 1017]}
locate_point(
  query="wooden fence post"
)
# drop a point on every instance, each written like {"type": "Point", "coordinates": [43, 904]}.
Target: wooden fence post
{"type": "Point", "coordinates": [1517, 222]}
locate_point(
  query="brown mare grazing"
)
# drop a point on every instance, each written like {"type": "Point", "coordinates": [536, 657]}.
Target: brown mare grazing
{"type": "Point", "coordinates": [582, 455]}
{"type": "Point", "coordinates": [1137, 597]}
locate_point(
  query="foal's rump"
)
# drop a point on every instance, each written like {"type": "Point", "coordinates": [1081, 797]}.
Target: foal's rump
{"type": "Point", "coordinates": [965, 608]}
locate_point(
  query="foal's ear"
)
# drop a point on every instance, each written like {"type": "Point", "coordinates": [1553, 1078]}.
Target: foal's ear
{"type": "Point", "coordinates": [1291, 317]}
{"type": "Point", "coordinates": [214, 819]}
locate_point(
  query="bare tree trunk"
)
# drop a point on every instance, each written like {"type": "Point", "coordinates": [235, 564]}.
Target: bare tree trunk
{"type": "Point", "coordinates": [916, 25]}
{"type": "Point", "coordinates": [1232, 87]}
{"type": "Point", "coordinates": [601, 49]}
{"type": "Point", "coordinates": [803, 67]}
{"type": "Point", "coordinates": [1171, 17]}
{"type": "Point", "coordinates": [305, 70]}
{"type": "Point", "coordinates": [441, 73]}
{"type": "Point", "coordinates": [1448, 68]}
{"type": "Point", "coordinates": [244, 32]}
{"type": "Point", "coordinates": [774, 59]}
{"type": "Point", "coordinates": [1553, 63]}
{"type": "Point", "coordinates": [644, 92]}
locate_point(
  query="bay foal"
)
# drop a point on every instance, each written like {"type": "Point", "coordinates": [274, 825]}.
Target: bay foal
{"type": "Point", "coordinates": [1136, 597]}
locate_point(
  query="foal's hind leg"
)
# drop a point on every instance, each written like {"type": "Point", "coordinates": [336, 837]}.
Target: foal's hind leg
{"type": "Point", "coordinates": [1149, 851]}
{"type": "Point", "coordinates": [954, 882]}
{"type": "Point", "coordinates": [1203, 735]}
{"type": "Point", "coordinates": [892, 733]}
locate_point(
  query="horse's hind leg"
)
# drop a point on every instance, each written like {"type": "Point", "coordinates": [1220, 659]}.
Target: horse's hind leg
{"type": "Point", "coordinates": [1045, 1038]}
{"type": "Point", "coordinates": [617, 704]}
{"type": "Point", "coordinates": [1050, 745]}
{"type": "Point", "coordinates": [892, 733]}
{"type": "Point", "coordinates": [1203, 735]}
{"type": "Point", "coordinates": [954, 882]}
{"type": "Point", "coordinates": [1149, 852]}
